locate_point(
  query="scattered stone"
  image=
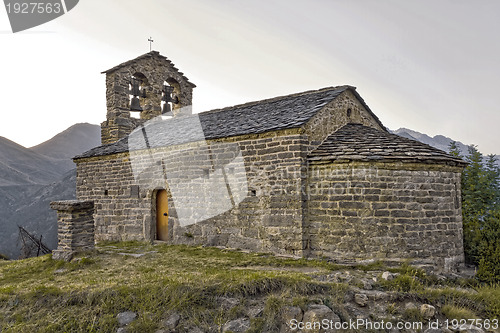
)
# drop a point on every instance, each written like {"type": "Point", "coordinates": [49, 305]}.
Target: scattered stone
{"type": "Point", "coordinates": [255, 311]}
{"type": "Point", "coordinates": [355, 311]}
{"type": "Point", "coordinates": [427, 311]}
{"type": "Point", "coordinates": [195, 330]}
{"type": "Point", "coordinates": [78, 260]}
{"type": "Point", "coordinates": [317, 313]}
{"type": "Point", "coordinates": [388, 276]}
{"type": "Point", "coordinates": [377, 295]}
{"type": "Point", "coordinates": [238, 325]}
{"type": "Point", "coordinates": [438, 330]}
{"type": "Point", "coordinates": [367, 285]}
{"type": "Point", "coordinates": [136, 255]}
{"type": "Point", "coordinates": [410, 306]}
{"type": "Point", "coordinates": [125, 318]}
{"type": "Point", "coordinates": [366, 262]}
{"type": "Point", "coordinates": [228, 303]}
{"type": "Point", "coordinates": [172, 321]}
{"type": "Point", "coordinates": [345, 276]}
{"type": "Point", "coordinates": [361, 299]}
{"type": "Point", "coordinates": [62, 255]}
{"type": "Point", "coordinates": [60, 271]}
{"type": "Point", "coordinates": [122, 330]}
{"type": "Point", "coordinates": [287, 314]}
{"type": "Point", "coordinates": [470, 329]}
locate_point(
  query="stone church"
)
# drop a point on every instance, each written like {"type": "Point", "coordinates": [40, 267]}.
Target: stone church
{"type": "Point", "coordinates": [313, 174]}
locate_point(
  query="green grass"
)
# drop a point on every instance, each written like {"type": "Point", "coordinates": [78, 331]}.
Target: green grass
{"type": "Point", "coordinates": [479, 299]}
{"type": "Point", "coordinates": [455, 312]}
{"type": "Point", "coordinates": [45, 295]}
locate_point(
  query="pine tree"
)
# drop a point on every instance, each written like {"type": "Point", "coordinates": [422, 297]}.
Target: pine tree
{"type": "Point", "coordinates": [473, 204]}
{"type": "Point", "coordinates": [489, 249]}
{"type": "Point", "coordinates": [493, 180]}
{"type": "Point", "coordinates": [481, 212]}
{"type": "Point", "coordinates": [454, 150]}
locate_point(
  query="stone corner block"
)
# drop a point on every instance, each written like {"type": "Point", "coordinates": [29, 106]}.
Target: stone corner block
{"type": "Point", "coordinates": [62, 255]}
{"type": "Point", "coordinates": [70, 205]}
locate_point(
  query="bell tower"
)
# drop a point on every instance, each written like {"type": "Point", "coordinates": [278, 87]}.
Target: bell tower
{"type": "Point", "coordinates": [147, 86]}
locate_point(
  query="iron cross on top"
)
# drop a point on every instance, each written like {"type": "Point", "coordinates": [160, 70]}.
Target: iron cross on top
{"type": "Point", "coordinates": [150, 40]}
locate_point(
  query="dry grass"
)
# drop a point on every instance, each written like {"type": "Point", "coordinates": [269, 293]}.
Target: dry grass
{"type": "Point", "coordinates": [44, 295]}
{"type": "Point", "coordinates": [40, 294]}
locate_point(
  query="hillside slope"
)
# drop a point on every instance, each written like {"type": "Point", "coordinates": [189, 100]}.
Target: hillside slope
{"type": "Point", "coordinates": [69, 143]}
{"type": "Point", "coordinates": [32, 177]}
{"type": "Point", "coordinates": [28, 207]}
{"type": "Point", "coordinates": [19, 165]}
{"type": "Point", "coordinates": [438, 141]}
{"type": "Point", "coordinates": [139, 287]}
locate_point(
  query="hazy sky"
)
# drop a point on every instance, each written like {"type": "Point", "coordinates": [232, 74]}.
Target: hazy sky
{"type": "Point", "coordinates": [432, 66]}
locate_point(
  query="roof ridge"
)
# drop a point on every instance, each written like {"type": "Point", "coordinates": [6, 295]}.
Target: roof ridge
{"type": "Point", "coordinates": [148, 55]}
{"type": "Point", "coordinates": [145, 55]}
{"type": "Point", "coordinates": [277, 98]}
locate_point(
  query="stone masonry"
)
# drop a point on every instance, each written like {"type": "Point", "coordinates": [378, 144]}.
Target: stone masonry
{"type": "Point", "coordinates": [320, 176]}
{"type": "Point", "coordinates": [390, 211]}
{"type": "Point", "coordinates": [153, 70]}
{"type": "Point", "coordinates": [75, 228]}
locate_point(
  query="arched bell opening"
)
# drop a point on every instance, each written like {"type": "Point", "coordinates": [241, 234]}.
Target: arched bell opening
{"type": "Point", "coordinates": [138, 94]}
{"type": "Point", "coordinates": [170, 97]}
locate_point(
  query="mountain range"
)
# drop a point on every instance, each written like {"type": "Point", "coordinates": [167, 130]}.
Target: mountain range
{"type": "Point", "coordinates": [438, 141]}
{"type": "Point", "coordinates": [30, 178]}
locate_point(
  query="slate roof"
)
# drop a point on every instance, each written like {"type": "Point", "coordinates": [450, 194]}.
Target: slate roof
{"type": "Point", "coordinates": [278, 113]}
{"type": "Point", "coordinates": [356, 142]}
{"type": "Point", "coordinates": [151, 54]}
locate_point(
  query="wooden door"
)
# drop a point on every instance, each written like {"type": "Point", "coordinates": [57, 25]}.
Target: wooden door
{"type": "Point", "coordinates": [162, 215]}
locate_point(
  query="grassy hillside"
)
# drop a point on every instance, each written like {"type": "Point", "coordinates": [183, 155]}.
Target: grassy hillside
{"type": "Point", "coordinates": [195, 289]}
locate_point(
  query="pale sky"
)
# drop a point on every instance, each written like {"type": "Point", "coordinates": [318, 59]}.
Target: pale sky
{"type": "Point", "coordinates": [429, 65]}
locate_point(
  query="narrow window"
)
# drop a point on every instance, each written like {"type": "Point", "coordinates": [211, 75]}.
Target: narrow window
{"type": "Point", "coordinates": [134, 191]}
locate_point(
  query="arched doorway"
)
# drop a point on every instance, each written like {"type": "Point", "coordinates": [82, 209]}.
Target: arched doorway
{"type": "Point", "coordinates": [162, 215]}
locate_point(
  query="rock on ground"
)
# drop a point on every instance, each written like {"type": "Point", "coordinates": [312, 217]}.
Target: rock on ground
{"type": "Point", "coordinates": [238, 325]}
{"type": "Point", "coordinates": [317, 313]}
{"type": "Point", "coordinates": [288, 313]}
{"type": "Point", "coordinates": [172, 321]}
{"type": "Point", "coordinates": [427, 311]}
{"type": "Point", "coordinates": [125, 318]}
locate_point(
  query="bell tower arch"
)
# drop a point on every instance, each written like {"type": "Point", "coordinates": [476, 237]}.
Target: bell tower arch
{"type": "Point", "coordinates": [148, 85]}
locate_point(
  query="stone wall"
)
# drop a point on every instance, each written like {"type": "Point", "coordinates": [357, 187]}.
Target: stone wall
{"type": "Point", "coordinates": [75, 227]}
{"type": "Point", "coordinates": [267, 217]}
{"type": "Point", "coordinates": [390, 211]}
{"type": "Point", "coordinates": [258, 192]}
{"type": "Point", "coordinates": [344, 109]}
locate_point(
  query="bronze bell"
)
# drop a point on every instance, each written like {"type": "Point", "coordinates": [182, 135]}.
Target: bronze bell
{"type": "Point", "coordinates": [135, 87]}
{"type": "Point", "coordinates": [166, 110]}
{"type": "Point", "coordinates": [135, 105]}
